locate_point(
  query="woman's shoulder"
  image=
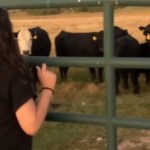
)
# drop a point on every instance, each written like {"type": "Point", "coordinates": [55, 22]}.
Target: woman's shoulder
{"type": "Point", "coordinates": [9, 72]}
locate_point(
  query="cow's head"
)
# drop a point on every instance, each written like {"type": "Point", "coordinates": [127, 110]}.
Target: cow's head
{"type": "Point", "coordinates": [146, 31]}
{"type": "Point", "coordinates": [118, 33]}
{"type": "Point", "coordinates": [24, 39]}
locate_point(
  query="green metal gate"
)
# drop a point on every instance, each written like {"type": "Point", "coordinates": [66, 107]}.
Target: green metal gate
{"type": "Point", "coordinates": [111, 121]}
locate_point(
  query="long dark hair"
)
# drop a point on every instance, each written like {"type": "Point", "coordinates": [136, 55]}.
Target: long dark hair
{"type": "Point", "coordinates": [9, 49]}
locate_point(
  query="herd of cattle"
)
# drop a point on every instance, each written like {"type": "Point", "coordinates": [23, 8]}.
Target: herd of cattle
{"type": "Point", "coordinates": [36, 42]}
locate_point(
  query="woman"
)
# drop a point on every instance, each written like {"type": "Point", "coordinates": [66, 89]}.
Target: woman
{"type": "Point", "coordinates": [20, 115]}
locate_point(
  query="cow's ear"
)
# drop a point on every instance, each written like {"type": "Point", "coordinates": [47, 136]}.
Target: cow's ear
{"type": "Point", "coordinates": [15, 34]}
{"type": "Point", "coordinates": [126, 31]}
{"type": "Point", "coordinates": [141, 28]}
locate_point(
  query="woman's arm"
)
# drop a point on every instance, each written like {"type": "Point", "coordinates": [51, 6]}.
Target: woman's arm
{"type": "Point", "coordinates": [32, 114]}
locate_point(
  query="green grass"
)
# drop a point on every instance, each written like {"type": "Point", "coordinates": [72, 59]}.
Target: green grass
{"type": "Point", "coordinates": [64, 136]}
{"type": "Point", "coordinates": [82, 96]}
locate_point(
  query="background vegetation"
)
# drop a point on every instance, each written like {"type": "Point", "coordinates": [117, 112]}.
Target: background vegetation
{"type": "Point", "coordinates": [53, 11]}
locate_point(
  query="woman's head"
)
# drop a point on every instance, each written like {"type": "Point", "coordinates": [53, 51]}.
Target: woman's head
{"type": "Point", "coordinates": [8, 44]}
{"type": "Point", "coordinates": [9, 50]}
{"type": "Point", "coordinates": [5, 23]}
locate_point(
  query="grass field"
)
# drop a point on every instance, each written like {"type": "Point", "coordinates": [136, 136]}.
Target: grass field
{"type": "Point", "coordinates": [82, 95]}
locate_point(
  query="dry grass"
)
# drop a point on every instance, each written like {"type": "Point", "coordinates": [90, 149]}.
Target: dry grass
{"type": "Point", "coordinates": [128, 18]}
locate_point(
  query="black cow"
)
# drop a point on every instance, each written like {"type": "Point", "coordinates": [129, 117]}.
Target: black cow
{"type": "Point", "coordinates": [83, 45]}
{"type": "Point", "coordinates": [34, 41]}
{"type": "Point", "coordinates": [145, 49]}
{"type": "Point", "coordinates": [145, 53]}
{"type": "Point", "coordinates": [78, 45]}
{"type": "Point", "coordinates": [127, 46]}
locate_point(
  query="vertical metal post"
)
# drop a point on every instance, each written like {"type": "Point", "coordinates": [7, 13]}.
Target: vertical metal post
{"type": "Point", "coordinates": [109, 75]}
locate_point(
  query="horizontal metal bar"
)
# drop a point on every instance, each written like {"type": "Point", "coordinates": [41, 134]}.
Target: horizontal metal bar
{"type": "Point", "coordinates": [76, 118]}
{"type": "Point", "coordinates": [28, 4]}
{"type": "Point", "coordinates": [90, 61]}
{"type": "Point", "coordinates": [138, 123]}
{"type": "Point", "coordinates": [98, 120]}
{"type": "Point", "coordinates": [66, 61]}
{"type": "Point", "coordinates": [130, 62]}
{"type": "Point", "coordinates": [131, 2]}
{"type": "Point", "coordinates": [33, 4]}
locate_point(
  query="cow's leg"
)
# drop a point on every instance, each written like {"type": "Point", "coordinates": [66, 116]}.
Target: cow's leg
{"type": "Point", "coordinates": [134, 79]}
{"type": "Point", "coordinates": [65, 72]}
{"type": "Point", "coordinates": [147, 74]}
{"type": "Point", "coordinates": [117, 79]}
{"type": "Point", "coordinates": [61, 73]}
{"type": "Point", "coordinates": [93, 73]}
{"type": "Point", "coordinates": [100, 74]}
{"type": "Point", "coordinates": [125, 74]}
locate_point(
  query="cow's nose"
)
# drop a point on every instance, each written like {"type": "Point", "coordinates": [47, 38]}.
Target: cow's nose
{"type": "Point", "coordinates": [26, 52]}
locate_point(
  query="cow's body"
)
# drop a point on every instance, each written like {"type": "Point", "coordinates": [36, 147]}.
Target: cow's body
{"type": "Point", "coordinates": [83, 45]}
{"type": "Point", "coordinates": [127, 46]}
{"type": "Point", "coordinates": [77, 45]}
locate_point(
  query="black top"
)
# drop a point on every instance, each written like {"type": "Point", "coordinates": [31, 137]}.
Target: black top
{"type": "Point", "coordinates": [14, 92]}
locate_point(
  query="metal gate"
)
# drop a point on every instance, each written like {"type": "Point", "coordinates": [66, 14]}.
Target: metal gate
{"type": "Point", "coordinates": [111, 121]}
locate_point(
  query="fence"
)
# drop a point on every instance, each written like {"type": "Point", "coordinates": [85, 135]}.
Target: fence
{"type": "Point", "coordinates": [111, 121]}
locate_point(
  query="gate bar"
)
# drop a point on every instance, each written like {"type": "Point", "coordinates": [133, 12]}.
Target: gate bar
{"type": "Point", "coordinates": [131, 2]}
{"type": "Point", "coordinates": [33, 4]}
{"type": "Point", "coordinates": [111, 130]}
{"type": "Point", "coordinates": [94, 61]}
{"type": "Point", "coordinates": [126, 122]}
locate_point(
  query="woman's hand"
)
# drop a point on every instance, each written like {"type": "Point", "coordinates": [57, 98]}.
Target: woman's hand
{"type": "Point", "coordinates": [46, 78]}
